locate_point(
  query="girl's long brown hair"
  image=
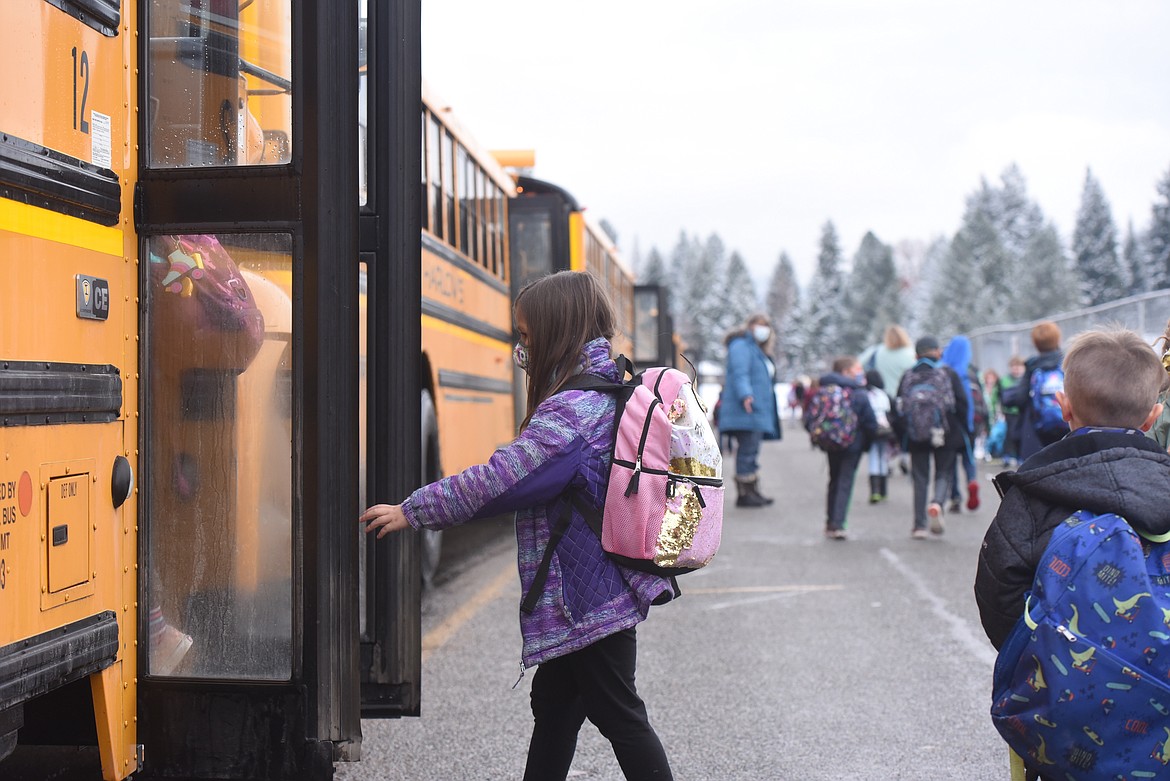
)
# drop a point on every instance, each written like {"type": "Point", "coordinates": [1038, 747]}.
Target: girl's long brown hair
{"type": "Point", "coordinates": [564, 312]}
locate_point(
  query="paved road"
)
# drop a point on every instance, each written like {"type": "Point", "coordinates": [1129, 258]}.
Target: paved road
{"type": "Point", "coordinates": [789, 657]}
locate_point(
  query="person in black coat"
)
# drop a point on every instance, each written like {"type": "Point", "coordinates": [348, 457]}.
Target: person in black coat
{"type": "Point", "coordinates": [1046, 339]}
{"type": "Point", "coordinates": [1105, 465]}
{"type": "Point", "coordinates": [922, 453]}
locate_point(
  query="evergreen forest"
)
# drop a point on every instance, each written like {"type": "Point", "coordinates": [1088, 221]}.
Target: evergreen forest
{"type": "Point", "coordinates": [1006, 263]}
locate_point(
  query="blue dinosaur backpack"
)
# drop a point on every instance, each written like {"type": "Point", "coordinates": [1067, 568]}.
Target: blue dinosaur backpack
{"type": "Point", "coordinates": [1082, 684]}
{"type": "Point", "coordinates": [1049, 419]}
{"type": "Point", "coordinates": [831, 420]}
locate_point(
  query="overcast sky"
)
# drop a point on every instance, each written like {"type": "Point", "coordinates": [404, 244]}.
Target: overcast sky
{"type": "Point", "coordinates": [761, 120]}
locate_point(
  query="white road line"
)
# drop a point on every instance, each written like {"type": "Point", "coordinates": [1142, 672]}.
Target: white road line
{"type": "Point", "coordinates": [960, 629]}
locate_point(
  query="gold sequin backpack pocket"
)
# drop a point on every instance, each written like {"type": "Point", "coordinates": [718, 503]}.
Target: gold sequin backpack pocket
{"type": "Point", "coordinates": [663, 510]}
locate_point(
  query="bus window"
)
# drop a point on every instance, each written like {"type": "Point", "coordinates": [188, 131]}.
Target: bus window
{"type": "Point", "coordinates": [434, 176]}
{"type": "Point", "coordinates": [219, 518]}
{"type": "Point", "coordinates": [646, 326]}
{"type": "Point", "coordinates": [447, 176]}
{"type": "Point", "coordinates": [218, 84]}
{"type": "Point", "coordinates": [531, 242]}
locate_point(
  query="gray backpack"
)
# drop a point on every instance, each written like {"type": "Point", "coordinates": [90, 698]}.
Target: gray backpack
{"type": "Point", "coordinates": [924, 399]}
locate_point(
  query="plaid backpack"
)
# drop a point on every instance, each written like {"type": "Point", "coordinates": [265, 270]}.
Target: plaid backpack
{"type": "Point", "coordinates": [1081, 684]}
{"type": "Point", "coordinates": [663, 510]}
{"type": "Point", "coordinates": [831, 420]}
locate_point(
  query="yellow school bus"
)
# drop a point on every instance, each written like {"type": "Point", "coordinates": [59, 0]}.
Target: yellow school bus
{"type": "Point", "coordinates": [551, 232]}
{"type": "Point", "coordinates": [209, 317]}
{"type": "Point", "coordinates": [466, 359]}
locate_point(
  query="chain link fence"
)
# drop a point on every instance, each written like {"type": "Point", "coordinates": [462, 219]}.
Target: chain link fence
{"type": "Point", "coordinates": [1147, 314]}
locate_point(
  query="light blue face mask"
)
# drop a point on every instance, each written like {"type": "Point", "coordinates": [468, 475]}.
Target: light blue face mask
{"type": "Point", "coordinates": [761, 333]}
{"type": "Point", "coordinates": [520, 357]}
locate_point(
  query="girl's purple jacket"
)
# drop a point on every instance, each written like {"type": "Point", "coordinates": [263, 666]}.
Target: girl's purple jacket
{"type": "Point", "coordinates": [566, 447]}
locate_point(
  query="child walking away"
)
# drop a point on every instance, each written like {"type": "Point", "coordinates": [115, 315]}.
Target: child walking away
{"type": "Point", "coordinates": [879, 451]}
{"type": "Point", "coordinates": [840, 421]}
{"type": "Point", "coordinates": [581, 629]}
{"type": "Point", "coordinates": [1071, 582]}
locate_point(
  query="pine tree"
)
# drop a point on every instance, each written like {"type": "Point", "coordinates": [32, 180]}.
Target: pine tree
{"type": "Point", "coordinates": [1016, 216]}
{"type": "Point", "coordinates": [684, 260]}
{"type": "Point", "coordinates": [1049, 278]}
{"type": "Point", "coordinates": [739, 298]}
{"type": "Point", "coordinates": [1134, 262]}
{"type": "Point", "coordinates": [1157, 244]}
{"type": "Point", "coordinates": [699, 271]}
{"type": "Point", "coordinates": [781, 304]}
{"type": "Point", "coordinates": [926, 269]}
{"type": "Point", "coordinates": [1094, 248]}
{"type": "Point", "coordinates": [708, 284]}
{"type": "Point", "coordinates": [975, 257]}
{"type": "Point", "coordinates": [653, 271]}
{"type": "Point", "coordinates": [823, 311]}
{"type": "Point", "coordinates": [872, 296]}
{"type": "Point", "coordinates": [1003, 240]}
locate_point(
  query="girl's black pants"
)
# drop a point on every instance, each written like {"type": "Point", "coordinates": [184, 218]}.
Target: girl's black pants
{"type": "Point", "coordinates": [595, 683]}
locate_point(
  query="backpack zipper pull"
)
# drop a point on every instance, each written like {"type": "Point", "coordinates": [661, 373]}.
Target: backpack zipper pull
{"type": "Point", "coordinates": [517, 683]}
{"type": "Point", "coordinates": [632, 488]}
{"type": "Point", "coordinates": [1066, 634]}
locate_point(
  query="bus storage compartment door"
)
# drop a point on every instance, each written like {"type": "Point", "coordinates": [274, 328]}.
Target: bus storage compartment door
{"type": "Point", "coordinates": [67, 531]}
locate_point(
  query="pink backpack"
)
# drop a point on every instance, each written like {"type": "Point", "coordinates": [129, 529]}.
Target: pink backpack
{"type": "Point", "coordinates": [664, 506]}
{"type": "Point", "coordinates": [663, 509]}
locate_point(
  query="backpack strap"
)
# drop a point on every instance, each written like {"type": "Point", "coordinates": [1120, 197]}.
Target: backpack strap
{"type": "Point", "coordinates": [559, 527]}
{"type": "Point", "coordinates": [591, 382]}
{"type": "Point", "coordinates": [592, 517]}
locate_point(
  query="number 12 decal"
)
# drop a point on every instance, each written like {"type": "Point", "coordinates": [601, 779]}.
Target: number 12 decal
{"type": "Point", "coordinates": [84, 89]}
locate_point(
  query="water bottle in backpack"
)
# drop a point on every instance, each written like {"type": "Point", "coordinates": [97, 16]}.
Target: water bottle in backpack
{"type": "Point", "coordinates": [1048, 418]}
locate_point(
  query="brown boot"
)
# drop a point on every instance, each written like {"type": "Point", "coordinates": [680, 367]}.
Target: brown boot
{"type": "Point", "coordinates": [749, 496]}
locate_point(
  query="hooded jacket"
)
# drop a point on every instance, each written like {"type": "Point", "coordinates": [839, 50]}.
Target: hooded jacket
{"type": "Point", "coordinates": [957, 355]}
{"type": "Point", "coordinates": [859, 400]}
{"type": "Point", "coordinates": [1105, 471]}
{"type": "Point", "coordinates": [1020, 395]}
{"type": "Point", "coordinates": [566, 447]}
{"type": "Point", "coordinates": [749, 373]}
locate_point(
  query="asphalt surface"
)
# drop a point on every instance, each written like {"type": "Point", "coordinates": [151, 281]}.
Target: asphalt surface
{"type": "Point", "coordinates": [789, 657]}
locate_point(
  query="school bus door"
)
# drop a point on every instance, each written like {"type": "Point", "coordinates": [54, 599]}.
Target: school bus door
{"type": "Point", "coordinates": [254, 283]}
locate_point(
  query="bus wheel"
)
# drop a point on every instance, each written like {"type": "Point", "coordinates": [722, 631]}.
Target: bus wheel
{"type": "Point", "coordinates": [432, 541]}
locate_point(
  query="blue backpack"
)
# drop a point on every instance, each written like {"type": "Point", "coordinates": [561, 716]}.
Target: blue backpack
{"type": "Point", "coordinates": [1048, 420]}
{"type": "Point", "coordinates": [1082, 684]}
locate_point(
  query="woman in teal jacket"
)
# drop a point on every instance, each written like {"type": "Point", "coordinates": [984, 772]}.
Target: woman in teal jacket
{"type": "Point", "coordinates": [747, 406]}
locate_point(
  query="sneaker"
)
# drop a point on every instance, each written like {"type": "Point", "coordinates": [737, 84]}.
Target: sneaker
{"type": "Point", "coordinates": [918, 534]}
{"type": "Point", "coordinates": [836, 534]}
{"type": "Point", "coordinates": [875, 498]}
{"type": "Point", "coordinates": [168, 647]}
{"type": "Point", "coordinates": [954, 505]}
{"type": "Point", "coordinates": [973, 495]}
{"type": "Point", "coordinates": [934, 513]}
